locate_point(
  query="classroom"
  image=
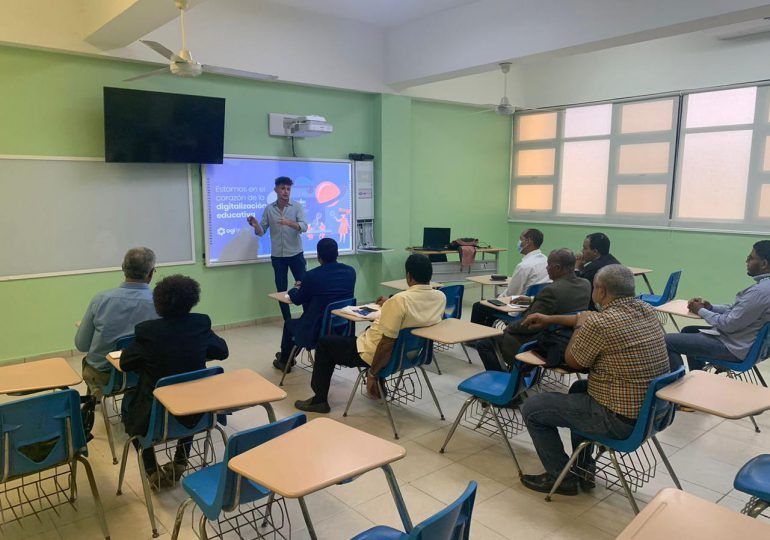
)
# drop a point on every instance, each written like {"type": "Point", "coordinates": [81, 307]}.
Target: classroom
{"type": "Point", "coordinates": [515, 255]}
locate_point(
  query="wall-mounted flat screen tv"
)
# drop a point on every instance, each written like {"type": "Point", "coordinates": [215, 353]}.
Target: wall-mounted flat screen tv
{"type": "Point", "coordinates": [158, 127]}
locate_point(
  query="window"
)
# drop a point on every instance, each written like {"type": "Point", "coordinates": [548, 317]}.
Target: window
{"type": "Point", "coordinates": [643, 163]}
{"type": "Point", "coordinates": [596, 163]}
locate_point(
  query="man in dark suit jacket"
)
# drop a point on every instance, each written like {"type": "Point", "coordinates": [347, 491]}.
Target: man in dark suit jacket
{"type": "Point", "coordinates": [594, 256]}
{"type": "Point", "coordinates": [178, 342]}
{"type": "Point", "coordinates": [329, 282]}
{"type": "Point", "coordinates": [566, 294]}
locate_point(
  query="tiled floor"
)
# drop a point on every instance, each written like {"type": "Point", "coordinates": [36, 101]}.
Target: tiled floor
{"type": "Point", "coordinates": [705, 451]}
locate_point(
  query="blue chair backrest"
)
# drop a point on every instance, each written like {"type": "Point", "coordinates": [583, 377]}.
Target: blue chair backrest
{"type": "Point", "coordinates": [451, 523]}
{"type": "Point", "coordinates": [454, 301]}
{"type": "Point", "coordinates": [655, 414]}
{"type": "Point", "coordinates": [157, 413]}
{"type": "Point", "coordinates": [409, 351]}
{"type": "Point", "coordinates": [669, 292]}
{"type": "Point", "coordinates": [25, 423]}
{"type": "Point", "coordinates": [117, 378]}
{"type": "Point", "coordinates": [238, 444]}
{"type": "Point", "coordinates": [532, 290]}
{"type": "Point", "coordinates": [337, 326]}
{"type": "Point", "coordinates": [760, 350]}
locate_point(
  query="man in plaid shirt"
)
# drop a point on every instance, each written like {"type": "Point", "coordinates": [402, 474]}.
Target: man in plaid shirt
{"type": "Point", "coordinates": [622, 347]}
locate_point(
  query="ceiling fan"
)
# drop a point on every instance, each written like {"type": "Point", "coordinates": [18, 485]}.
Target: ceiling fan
{"type": "Point", "coordinates": [182, 64]}
{"type": "Point", "coordinates": [504, 108]}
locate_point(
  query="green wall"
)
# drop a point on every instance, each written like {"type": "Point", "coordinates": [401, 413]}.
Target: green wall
{"type": "Point", "coordinates": [713, 264]}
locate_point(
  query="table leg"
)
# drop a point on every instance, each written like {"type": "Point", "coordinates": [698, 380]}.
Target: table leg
{"type": "Point", "coordinates": [647, 281]}
{"type": "Point", "coordinates": [397, 498]}
{"type": "Point", "coordinates": [499, 355]}
{"type": "Point", "coordinates": [308, 521]}
{"type": "Point", "coordinates": [270, 412]}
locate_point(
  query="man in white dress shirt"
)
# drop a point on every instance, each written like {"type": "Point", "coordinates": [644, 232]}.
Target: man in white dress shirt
{"type": "Point", "coordinates": [530, 271]}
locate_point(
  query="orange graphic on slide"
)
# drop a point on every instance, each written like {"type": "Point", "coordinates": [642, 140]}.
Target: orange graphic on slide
{"type": "Point", "coordinates": [344, 227]}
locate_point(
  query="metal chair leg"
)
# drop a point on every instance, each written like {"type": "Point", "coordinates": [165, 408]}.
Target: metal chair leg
{"type": "Point", "coordinates": [268, 510]}
{"type": "Point", "coordinates": [202, 534]}
{"type": "Point", "coordinates": [432, 393]}
{"type": "Point", "coordinates": [465, 350]}
{"type": "Point", "coordinates": [108, 428]}
{"type": "Point", "coordinates": [484, 412]}
{"type": "Point", "coordinates": [292, 355]}
{"type": "Point", "coordinates": [567, 468]}
{"type": "Point", "coordinates": [97, 498]}
{"type": "Point", "coordinates": [147, 492]}
{"type": "Point", "coordinates": [180, 517]}
{"type": "Point", "coordinates": [673, 321]}
{"type": "Point", "coordinates": [506, 441]}
{"type": "Point", "coordinates": [353, 391]}
{"type": "Point", "coordinates": [435, 362]}
{"type": "Point", "coordinates": [664, 457]}
{"type": "Point", "coordinates": [457, 422]}
{"type": "Point", "coordinates": [308, 521]}
{"type": "Point", "coordinates": [73, 481]}
{"type": "Point", "coordinates": [758, 507]}
{"type": "Point", "coordinates": [626, 488]}
{"type": "Point", "coordinates": [122, 472]}
{"type": "Point", "coordinates": [756, 427]}
{"type": "Point", "coordinates": [381, 383]}
{"type": "Point", "coordinates": [756, 371]}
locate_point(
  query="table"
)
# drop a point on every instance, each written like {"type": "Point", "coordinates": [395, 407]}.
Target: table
{"type": "Point", "coordinates": [642, 272]}
{"type": "Point", "coordinates": [531, 358]}
{"type": "Point", "coordinates": [350, 316]}
{"type": "Point", "coordinates": [486, 280]}
{"type": "Point", "coordinates": [453, 331]}
{"type": "Point", "coordinates": [453, 270]}
{"type": "Point", "coordinates": [400, 284]}
{"type": "Point", "coordinates": [717, 395]}
{"type": "Point", "coordinates": [679, 308]}
{"type": "Point", "coordinates": [677, 514]}
{"type": "Point", "coordinates": [37, 376]}
{"type": "Point", "coordinates": [317, 455]}
{"type": "Point", "coordinates": [282, 297]}
{"type": "Point", "coordinates": [227, 391]}
{"type": "Point", "coordinates": [114, 359]}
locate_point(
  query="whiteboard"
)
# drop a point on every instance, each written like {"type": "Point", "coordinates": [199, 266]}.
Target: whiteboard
{"type": "Point", "coordinates": [80, 215]}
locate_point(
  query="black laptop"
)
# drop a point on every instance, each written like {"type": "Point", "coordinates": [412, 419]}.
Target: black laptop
{"type": "Point", "coordinates": [435, 237]}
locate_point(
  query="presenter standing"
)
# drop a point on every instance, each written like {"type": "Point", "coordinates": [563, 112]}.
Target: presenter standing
{"type": "Point", "coordinates": [286, 221]}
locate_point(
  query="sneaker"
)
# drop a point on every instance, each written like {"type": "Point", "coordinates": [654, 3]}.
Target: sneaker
{"type": "Point", "coordinates": [174, 470]}
{"type": "Point", "coordinates": [280, 364]}
{"type": "Point", "coordinates": [543, 483]}
{"type": "Point", "coordinates": [158, 480]}
{"type": "Point", "coordinates": [308, 405]}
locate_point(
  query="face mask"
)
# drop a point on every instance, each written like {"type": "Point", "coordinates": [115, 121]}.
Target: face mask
{"type": "Point", "coordinates": [518, 246]}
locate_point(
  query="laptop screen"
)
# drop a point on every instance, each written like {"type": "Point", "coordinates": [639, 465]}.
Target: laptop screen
{"type": "Point", "coordinates": [435, 237]}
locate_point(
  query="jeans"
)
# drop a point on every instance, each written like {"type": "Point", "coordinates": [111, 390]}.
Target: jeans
{"type": "Point", "coordinates": [94, 379]}
{"type": "Point", "coordinates": [545, 413]}
{"type": "Point", "coordinates": [281, 267]}
{"type": "Point", "coordinates": [691, 343]}
{"type": "Point", "coordinates": [332, 351]}
{"type": "Point", "coordinates": [486, 350]}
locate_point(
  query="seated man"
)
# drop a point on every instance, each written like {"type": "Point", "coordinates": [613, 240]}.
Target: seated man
{"type": "Point", "coordinates": [566, 294]}
{"type": "Point", "coordinates": [622, 348]}
{"type": "Point", "coordinates": [734, 327]}
{"type": "Point", "coordinates": [178, 342]}
{"type": "Point", "coordinates": [594, 256]}
{"type": "Point", "coordinates": [419, 305]}
{"type": "Point", "coordinates": [329, 282]}
{"type": "Point", "coordinates": [530, 271]}
{"type": "Point", "coordinates": [112, 314]}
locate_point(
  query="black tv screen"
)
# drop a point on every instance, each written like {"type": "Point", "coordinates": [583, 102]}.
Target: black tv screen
{"type": "Point", "coordinates": [157, 127]}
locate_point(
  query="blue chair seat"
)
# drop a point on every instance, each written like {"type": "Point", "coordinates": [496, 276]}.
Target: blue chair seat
{"type": "Point", "coordinates": [203, 485]}
{"type": "Point", "coordinates": [654, 300]}
{"type": "Point", "coordinates": [754, 478]}
{"type": "Point", "coordinates": [381, 532]}
{"type": "Point", "coordinates": [489, 385]}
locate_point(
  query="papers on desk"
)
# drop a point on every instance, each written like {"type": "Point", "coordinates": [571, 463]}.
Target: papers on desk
{"type": "Point", "coordinates": [115, 355]}
{"type": "Point", "coordinates": [367, 311]}
{"type": "Point", "coordinates": [708, 331]}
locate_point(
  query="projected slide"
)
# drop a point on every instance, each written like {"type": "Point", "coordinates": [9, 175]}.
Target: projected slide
{"type": "Point", "coordinates": [239, 188]}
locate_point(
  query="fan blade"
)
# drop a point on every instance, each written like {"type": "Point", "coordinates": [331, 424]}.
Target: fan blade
{"type": "Point", "coordinates": [148, 74]}
{"type": "Point", "coordinates": [238, 73]}
{"type": "Point", "coordinates": [161, 50]}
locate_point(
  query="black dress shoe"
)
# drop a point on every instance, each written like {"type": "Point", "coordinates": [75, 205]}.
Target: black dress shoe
{"type": "Point", "coordinates": [307, 405]}
{"type": "Point", "coordinates": [278, 364]}
{"type": "Point", "coordinates": [544, 482]}
{"type": "Point", "coordinates": [587, 483]}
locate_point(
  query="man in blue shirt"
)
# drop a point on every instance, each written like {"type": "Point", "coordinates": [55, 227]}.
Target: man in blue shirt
{"type": "Point", "coordinates": [734, 327]}
{"type": "Point", "coordinates": [330, 282]}
{"type": "Point", "coordinates": [286, 222]}
{"type": "Point", "coordinates": [113, 314]}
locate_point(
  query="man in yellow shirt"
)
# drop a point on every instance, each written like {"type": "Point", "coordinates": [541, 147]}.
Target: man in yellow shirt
{"type": "Point", "coordinates": [419, 305]}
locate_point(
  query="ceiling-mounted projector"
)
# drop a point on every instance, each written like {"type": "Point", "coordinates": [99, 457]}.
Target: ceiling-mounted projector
{"type": "Point", "coordinates": [289, 125]}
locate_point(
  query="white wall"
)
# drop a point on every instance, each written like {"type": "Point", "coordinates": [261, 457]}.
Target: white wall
{"type": "Point", "coordinates": [690, 61]}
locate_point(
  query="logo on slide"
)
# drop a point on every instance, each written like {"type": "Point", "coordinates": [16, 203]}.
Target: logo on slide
{"type": "Point", "coordinates": [221, 231]}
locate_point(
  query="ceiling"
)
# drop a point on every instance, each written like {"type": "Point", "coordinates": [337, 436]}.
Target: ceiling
{"type": "Point", "coordinates": [443, 49]}
{"type": "Point", "coordinates": [381, 13]}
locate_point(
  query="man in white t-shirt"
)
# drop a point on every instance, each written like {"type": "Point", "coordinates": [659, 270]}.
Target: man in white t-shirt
{"type": "Point", "coordinates": [530, 271]}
